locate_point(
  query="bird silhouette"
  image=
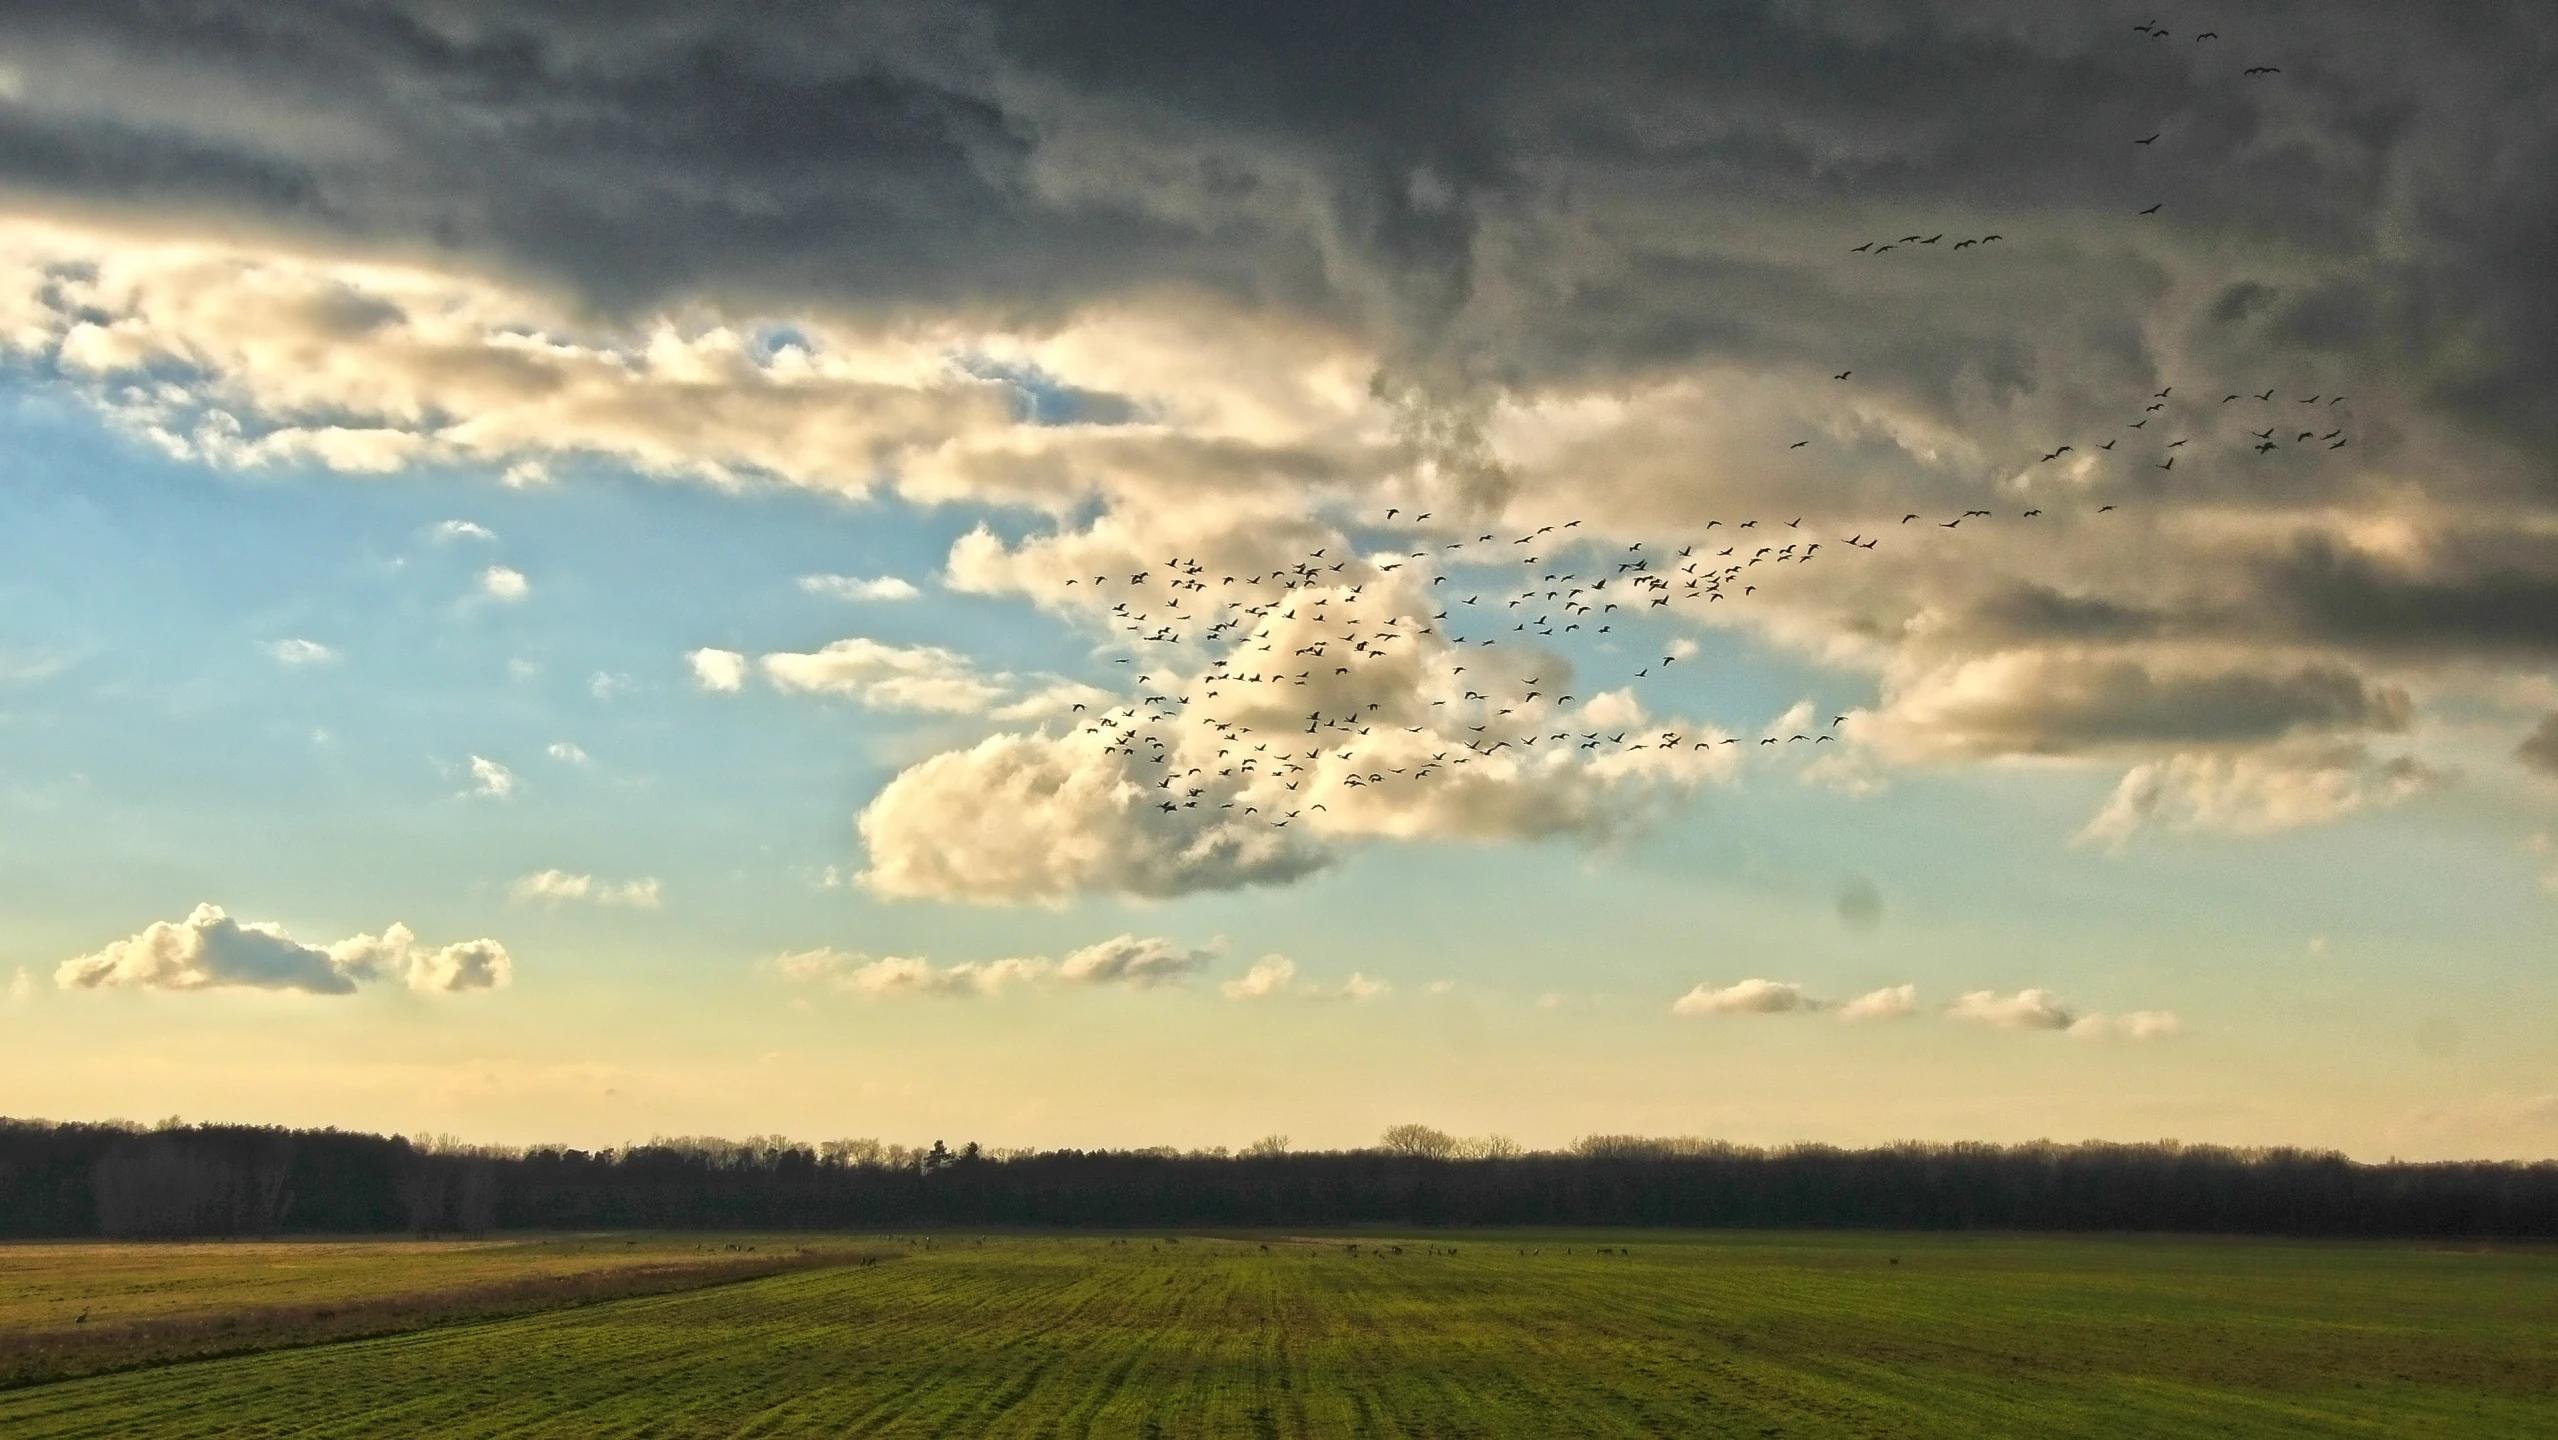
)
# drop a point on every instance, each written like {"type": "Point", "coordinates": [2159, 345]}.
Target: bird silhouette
{"type": "Point", "coordinates": [2154, 209]}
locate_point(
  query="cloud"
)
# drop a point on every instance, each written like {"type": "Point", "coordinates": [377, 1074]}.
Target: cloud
{"type": "Point", "coordinates": [498, 582]}
{"type": "Point", "coordinates": [1270, 975]}
{"type": "Point", "coordinates": [1020, 818]}
{"type": "Point", "coordinates": [2253, 793]}
{"type": "Point", "coordinates": [1123, 960]}
{"type": "Point", "coordinates": [1747, 997]}
{"type": "Point", "coordinates": [2057, 703]}
{"type": "Point", "coordinates": [300, 652]}
{"type": "Point", "coordinates": [22, 988]}
{"type": "Point", "coordinates": [209, 950]}
{"type": "Point", "coordinates": [1892, 1002]}
{"type": "Point", "coordinates": [2136, 1025]}
{"type": "Point", "coordinates": [555, 886]}
{"type": "Point", "coordinates": [450, 530]}
{"type": "Point", "coordinates": [888, 677]}
{"type": "Point", "coordinates": [720, 670]}
{"type": "Point", "coordinates": [854, 587]}
{"type": "Point", "coordinates": [490, 779]}
{"type": "Point", "coordinates": [567, 752]}
{"type": "Point", "coordinates": [1199, 288]}
{"type": "Point", "coordinates": [1274, 977]}
{"type": "Point", "coordinates": [2539, 750]}
{"type": "Point", "coordinates": [1263, 796]}
{"type": "Point", "coordinates": [2030, 1009]}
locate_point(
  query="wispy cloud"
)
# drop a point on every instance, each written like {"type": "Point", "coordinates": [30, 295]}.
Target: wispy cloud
{"type": "Point", "coordinates": [556, 886]}
{"type": "Point", "coordinates": [297, 652]}
{"type": "Point", "coordinates": [855, 587]}
{"type": "Point", "coordinates": [1125, 961]}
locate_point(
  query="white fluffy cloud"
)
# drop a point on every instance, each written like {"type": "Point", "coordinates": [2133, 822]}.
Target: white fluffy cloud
{"type": "Point", "coordinates": [1123, 960]}
{"type": "Point", "coordinates": [887, 677]}
{"type": "Point", "coordinates": [209, 950]}
{"type": "Point", "coordinates": [2039, 1009]}
{"type": "Point", "coordinates": [298, 652]}
{"type": "Point", "coordinates": [500, 582]}
{"type": "Point", "coordinates": [449, 530]}
{"type": "Point", "coordinates": [721, 670]}
{"type": "Point", "coordinates": [1747, 997]}
{"type": "Point", "coordinates": [2029, 1009]}
{"type": "Point", "coordinates": [2133, 1025]}
{"type": "Point", "coordinates": [556, 886]}
{"type": "Point", "coordinates": [855, 587]}
{"type": "Point", "coordinates": [1262, 764]}
{"type": "Point", "coordinates": [491, 779]}
{"type": "Point", "coordinates": [1892, 1002]}
{"type": "Point", "coordinates": [1270, 975]}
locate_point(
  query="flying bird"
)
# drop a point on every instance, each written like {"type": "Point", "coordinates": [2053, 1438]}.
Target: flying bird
{"type": "Point", "coordinates": [2154, 209]}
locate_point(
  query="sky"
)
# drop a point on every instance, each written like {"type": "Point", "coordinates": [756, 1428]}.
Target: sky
{"type": "Point", "coordinates": [1148, 575]}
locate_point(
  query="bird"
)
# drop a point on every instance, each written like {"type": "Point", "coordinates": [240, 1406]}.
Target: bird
{"type": "Point", "coordinates": [1842, 374]}
{"type": "Point", "coordinates": [2154, 209]}
{"type": "Point", "coordinates": [1799, 444]}
{"type": "Point", "coordinates": [2265, 70]}
{"type": "Point", "coordinates": [2170, 465]}
{"type": "Point", "coordinates": [1868, 245]}
{"type": "Point", "coordinates": [2152, 140]}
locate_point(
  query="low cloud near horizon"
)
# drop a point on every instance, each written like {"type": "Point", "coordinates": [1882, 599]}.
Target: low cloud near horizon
{"type": "Point", "coordinates": [210, 950]}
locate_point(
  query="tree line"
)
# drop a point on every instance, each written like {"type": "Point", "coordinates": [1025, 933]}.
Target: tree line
{"type": "Point", "coordinates": [66, 1180]}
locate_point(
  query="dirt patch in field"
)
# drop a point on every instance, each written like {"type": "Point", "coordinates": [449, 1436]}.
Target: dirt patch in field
{"type": "Point", "coordinates": [63, 1352]}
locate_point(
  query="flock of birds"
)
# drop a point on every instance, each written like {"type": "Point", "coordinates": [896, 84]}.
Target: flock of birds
{"type": "Point", "coordinates": [1392, 666]}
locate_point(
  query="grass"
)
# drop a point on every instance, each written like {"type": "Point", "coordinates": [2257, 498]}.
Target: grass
{"type": "Point", "coordinates": [79, 1309]}
{"type": "Point", "coordinates": [1713, 1334]}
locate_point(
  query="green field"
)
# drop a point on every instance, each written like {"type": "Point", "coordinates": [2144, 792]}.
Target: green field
{"type": "Point", "coordinates": [84, 1308]}
{"type": "Point", "coordinates": [1710, 1334]}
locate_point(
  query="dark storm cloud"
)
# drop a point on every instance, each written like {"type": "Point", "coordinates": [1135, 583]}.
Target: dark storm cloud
{"type": "Point", "coordinates": [2059, 703]}
{"type": "Point", "coordinates": [1516, 200]}
{"type": "Point", "coordinates": [2493, 596]}
{"type": "Point", "coordinates": [1510, 190]}
{"type": "Point", "coordinates": [2539, 751]}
